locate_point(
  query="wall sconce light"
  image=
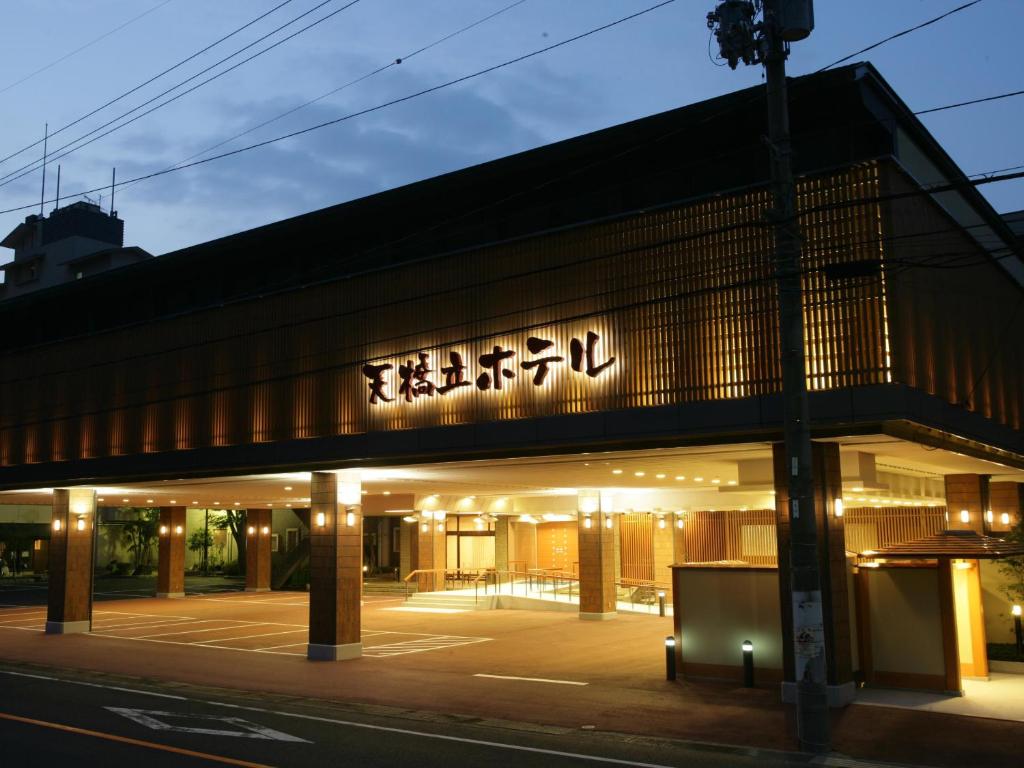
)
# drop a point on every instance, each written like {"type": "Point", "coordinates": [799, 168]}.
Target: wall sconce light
{"type": "Point", "coordinates": [81, 523]}
{"type": "Point", "coordinates": [252, 530]}
{"type": "Point", "coordinates": [56, 525]}
{"type": "Point", "coordinates": [989, 517]}
{"type": "Point", "coordinates": [837, 507]}
{"type": "Point", "coordinates": [679, 523]}
{"type": "Point", "coordinates": [179, 530]}
{"type": "Point", "coordinates": [424, 528]}
{"type": "Point", "coordinates": [965, 516]}
{"type": "Point", "coordinates": [1005, 518]}
{"type": "Point", "coordinates": [265, 530]}
{"type": "Point", "coordinates": [350, 518]}
{"type": "Point", "coordinates": [661, 523]}
{"type": "Point", "coordinates": [608, 522]}
{"type": "Point", "coordinates": [163, 530]}
{"type": "Point", "coordinates": [587, 522]}
{"type": "Point", "coordinates": [440, 527]}
{"type": "Point", "coordinates": [321, 520]}
{"type": "Point", "coordinates": [963, 565]}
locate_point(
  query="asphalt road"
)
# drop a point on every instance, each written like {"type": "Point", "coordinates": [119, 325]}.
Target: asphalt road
{"type": "Point", "coordinates": [52, 718]}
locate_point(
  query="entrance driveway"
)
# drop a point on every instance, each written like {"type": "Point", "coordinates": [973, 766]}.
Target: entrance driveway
{"type": "Point", "coordinates": [540, 667]}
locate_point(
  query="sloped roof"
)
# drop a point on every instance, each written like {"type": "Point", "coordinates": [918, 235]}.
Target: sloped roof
{"type": "Point", "coordinates": [969, 545]}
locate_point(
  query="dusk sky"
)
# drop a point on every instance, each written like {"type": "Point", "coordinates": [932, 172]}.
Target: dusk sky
{"type": "Point", "coordinates": [647, 65]}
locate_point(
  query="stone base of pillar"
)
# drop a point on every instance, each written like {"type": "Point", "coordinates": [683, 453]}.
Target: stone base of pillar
{"type": "Point", "coordinates": [257, 589]}
{"type": "Point", "coordinates": [66, 627]}
{"type": "Point", "coordinates": [838, 695]}
{"type": "Point", "coordinates": [598, 616]}
{"type": "Point", "coordinates": [170, 594]}
{"type": "Point", "coordinates": [317, 652]}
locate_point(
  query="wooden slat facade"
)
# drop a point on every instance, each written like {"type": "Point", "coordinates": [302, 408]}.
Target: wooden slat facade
{"type": "Point", "coordinates": [871, 528]}
{"type": "Point", "coordinates": [739, 536]}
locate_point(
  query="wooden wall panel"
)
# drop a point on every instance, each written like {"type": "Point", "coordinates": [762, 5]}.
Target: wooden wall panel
{"type": "Point", "coordinates": [683, 298]}
{"type": "Point", "coordinates": [869, 528]}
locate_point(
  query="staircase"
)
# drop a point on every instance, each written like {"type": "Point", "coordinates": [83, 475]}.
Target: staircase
{"type": "Point", "coordinates": [450, 601]}
{"type": "Point", "coordinates": [388, 587]}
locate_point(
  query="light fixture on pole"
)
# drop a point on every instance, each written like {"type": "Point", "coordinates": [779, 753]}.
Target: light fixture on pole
{"type": "Point", "coordinates": [670, 658]}
{"type": "Point", "coordinates": [748, 663]}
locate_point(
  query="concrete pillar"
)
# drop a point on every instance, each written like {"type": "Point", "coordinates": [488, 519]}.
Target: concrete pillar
{"type": "Point", "coordinates": [170, 574]}
{"type": "Point", "coordinates": [596, 531]}
{"type": "Point", "coordinates": [335, 568]}
{"type": "Point", "coordinates": [967, 494]}
{"type": "Point", "coordinates": [72, 541]}
{"type": "Point", "coordinates": [257, 550]}
{"type": "Point", "coordinates": [431, 544]}
{"type": "Point", "coordinates": [832, 569]}
{"type": "Point", "coordinates": [1006, 502]}
{"type": "Point", "coordinates": [502, 533]}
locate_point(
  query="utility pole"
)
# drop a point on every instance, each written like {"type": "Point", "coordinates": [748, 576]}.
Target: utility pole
{"type": "Point", "coordinates": [740, 38]}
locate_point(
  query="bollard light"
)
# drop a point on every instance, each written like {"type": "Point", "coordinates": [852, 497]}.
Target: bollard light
{"type": "Point", "coordinates": [748, 663]}
{"type": "Point", "coordinates": [670, 658]}
{"type": "Point", "coordinates": [661, 602]}
{"type": "Point", "coordinates": [321, 520]}
{"type": "Point", "coordinates": [56, 525]}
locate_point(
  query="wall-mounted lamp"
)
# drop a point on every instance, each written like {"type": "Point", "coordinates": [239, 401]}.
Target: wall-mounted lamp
{"type": "Point", "coordinates": [1005, 518]}
{"type": "Point", "coordinates": [321, 520]}
{"type": "Point", "coordinates": [350, 518]}
{"type": "Point", "coordinates": [608, 523]}
{"type": "Point", "coordinates": [179, 530]}
{"type": "Point", "coordinates": [440, 527]}
{"type": "Point", "coordinates": [424, 528]}
{"type": "Point", "coordinates": [661, 523]}
{"type": "Point", "coordinates": [252, 530]}
{"type": "Point", "coordinates": [989, 517]}
{"type": "Point", "coordinates": [679, 523]}
{"type": "Point", "coordinates": [587, 522]}
{"type": "Point", "coordinates": [164, 530]}
{"type": "Point", "coordinates": [837, 507]}
{"type": "Point", "coordinates": [965, 516]}
{"type": "Point", "coordinates": [81, 523]}
{"type": "Point", "coordinates": [265, 530]}
{"type": "Point", "coordinates": [56, 525]}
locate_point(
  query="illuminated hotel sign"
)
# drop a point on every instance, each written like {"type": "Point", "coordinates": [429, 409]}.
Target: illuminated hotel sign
{"type": "Point", "coordinates": [419, 378]}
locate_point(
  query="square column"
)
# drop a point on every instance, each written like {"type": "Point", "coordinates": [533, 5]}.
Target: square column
{"type": "Point", "coordinates": [257, 550]}
{"type": "Point", "coordinates": [431, 544]}
{"type": "Point", "coordinates": [1007, 503]}
{"type": "Point", "coordinates": [170, 576]}
{"type": "Point", "coordinates": [335, 568]}
{"type": "Point", "coordinates": [596, 531]}
{"type": "Point", "coordinates": [72, 542]}
{"type": "Point", "coordinates": [832, 569]}
{"type": "Point", "coordinates": [967, 497]}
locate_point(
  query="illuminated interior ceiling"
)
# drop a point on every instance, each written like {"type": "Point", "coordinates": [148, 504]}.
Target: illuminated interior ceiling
{"type": "Point", "coordinates": [705, 477]}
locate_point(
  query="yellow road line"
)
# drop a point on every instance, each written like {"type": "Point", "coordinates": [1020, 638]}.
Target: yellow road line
{"type": "Point", "coordinates": [134, 742]}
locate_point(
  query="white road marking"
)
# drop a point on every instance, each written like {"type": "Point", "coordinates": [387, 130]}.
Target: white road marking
{"type": "Point", "coordinates": [244, 637]}
{"type": "Point", "coordinates": [243, 728]}
{"type": "Point", "coordinates": [432, 643]}
{"type": "Point", "coordinates": [531, 679]}
{"type": "Point", "coordinates": [94, 685]}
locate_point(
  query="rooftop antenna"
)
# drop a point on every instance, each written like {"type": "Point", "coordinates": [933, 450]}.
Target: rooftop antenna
{"type": "Point", "coordinates": [113, 183]}
{"type": "Point", "coordinates": [56, 203]}
{"type": "Point", "coordinates": [42, 194]}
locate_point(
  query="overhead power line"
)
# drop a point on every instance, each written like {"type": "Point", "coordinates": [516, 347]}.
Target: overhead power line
{"type": "Point", "coordinates": [907, 31]}
{"type": "Point", "coordinates": [36, 164]}
{"type": "Point", "coordinates": [969, 103]}
{"type": "Point", "coordinates": [368, 110]}
{"type": "Point", "coordinates": [350, 83]}
{"type": "Point", "coordinates": [155, 77]}
{"type": "Point", "coordinates": [81, 48]}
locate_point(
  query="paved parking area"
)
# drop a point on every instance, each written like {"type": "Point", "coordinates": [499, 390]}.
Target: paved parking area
{"type": "Point", "coordinates": [232, 634]}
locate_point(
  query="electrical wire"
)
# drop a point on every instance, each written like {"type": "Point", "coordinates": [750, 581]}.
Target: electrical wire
{"type": "Point", "coordinates": [969, 103]}
{"type": "Point", "coordinates": [368, 110]}
{"type": "Point", "coordinates": [58, 153]}
{"type": "Point", "coordinates": [907, 31]}
{"type": "Point", "coordinates": [150, 80]}
{"type": "Point", "coordinates": [81, 48]}
{"type": "Point", "coordinates": [366, 76]}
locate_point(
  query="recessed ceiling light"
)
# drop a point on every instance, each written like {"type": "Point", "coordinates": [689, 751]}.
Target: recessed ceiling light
{"type": "Point", "coordinates": [287, 505]}
{"type": "Point", "coordinates": [698, 479]}
{"type": "Point", "coordinates": [125, 500]}
{"type": "Point", "coordinates": [238, 503]}
{"type": "Point", "coordinates": [716, 481]}
{"type": "Point", "coordinates": [639, 474]}
{"type": "Point", "coordinates": [387, 493]}
{"type": "Point", "coordinates": [194, 501]}
{"type": "Point", "coordinates": [680, 477]}
{"type": "Point", "coordinates": [149, 501]}
{"type": "Point", "coordinates": [364, 492]}
{"type": "Point", "coordinates": [216, 503]}
{"type": "Point", "coordinates": [100, 499]}
{"type": "Point", "coordinates": [732, 482]}
{"type": "Point", "coordinates": [660, 475]}
{"type": "Point", "coordinates": [616, 471]}
{"type": "Point", "coordinates": [173, 501]}
{"type": "Point", "coordinates": [287, 487]}
{"type": "Point", "coordinates": [269, 504]}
